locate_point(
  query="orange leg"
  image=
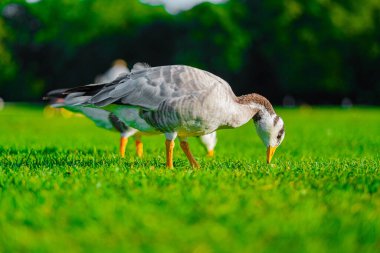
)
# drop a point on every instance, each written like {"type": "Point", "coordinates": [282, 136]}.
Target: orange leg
{"type": "Point", "coordinates": [139, 148]}
{"type": "Point", "coordinates": [186, 150]}
{"type": "Point", "coordinates": [123, 145]}
{"type": "Point", "coordinates": [169, 153]}
{"type": "Point", "coordinates": [210, 153]}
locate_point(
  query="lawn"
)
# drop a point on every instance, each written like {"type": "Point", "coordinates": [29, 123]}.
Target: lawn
{"type": "Point", "coordinates": [64, 188]}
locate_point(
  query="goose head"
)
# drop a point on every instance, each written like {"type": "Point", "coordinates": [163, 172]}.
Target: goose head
{"type": "Point", "coordinates": [270, 128]}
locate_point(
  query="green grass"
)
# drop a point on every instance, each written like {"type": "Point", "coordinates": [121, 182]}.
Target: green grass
{"type": "Point", "coordinates": [63, 188]}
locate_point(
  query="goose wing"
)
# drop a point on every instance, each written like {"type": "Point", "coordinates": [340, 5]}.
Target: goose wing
{"type": "Point", "coordinates": [149, 87]}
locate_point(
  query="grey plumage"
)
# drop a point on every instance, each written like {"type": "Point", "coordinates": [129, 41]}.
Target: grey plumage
{"type": "Point", "coordinates": [169, 98]}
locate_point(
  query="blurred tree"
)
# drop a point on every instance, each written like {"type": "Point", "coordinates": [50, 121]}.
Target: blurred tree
{"type": "Point", "coordinates": [313, 49]}
{"type": "Point", "coordinates": [65, 43]}
{"type": "Point", "coordinates": [319, 51]}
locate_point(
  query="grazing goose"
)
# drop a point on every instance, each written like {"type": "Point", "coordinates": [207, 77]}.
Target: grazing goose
{"type": "Point", "coordinates": [101, 117]}
{"type": "Point", "coordinates": [180, 101]}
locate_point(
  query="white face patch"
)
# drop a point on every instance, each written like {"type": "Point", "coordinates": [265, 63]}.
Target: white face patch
{"type": "Point", "coordinates": [270, 129]}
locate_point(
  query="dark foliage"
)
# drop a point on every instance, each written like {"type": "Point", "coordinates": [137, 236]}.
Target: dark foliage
{"type": "Point", "coordinates": [316, 51]}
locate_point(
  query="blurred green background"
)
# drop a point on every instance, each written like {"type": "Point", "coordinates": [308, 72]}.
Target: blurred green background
{"type": "Point", "coordinates": [306, 51]}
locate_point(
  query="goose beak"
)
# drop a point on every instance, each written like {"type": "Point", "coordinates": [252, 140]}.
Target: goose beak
{"type": "Point", "coordinates": [270, 152]}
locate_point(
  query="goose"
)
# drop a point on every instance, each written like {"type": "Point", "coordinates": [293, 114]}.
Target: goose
{"type": "Point", "coordinates": [181, 101]}
{"type": "Point", "coordinates": [103, 118]}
